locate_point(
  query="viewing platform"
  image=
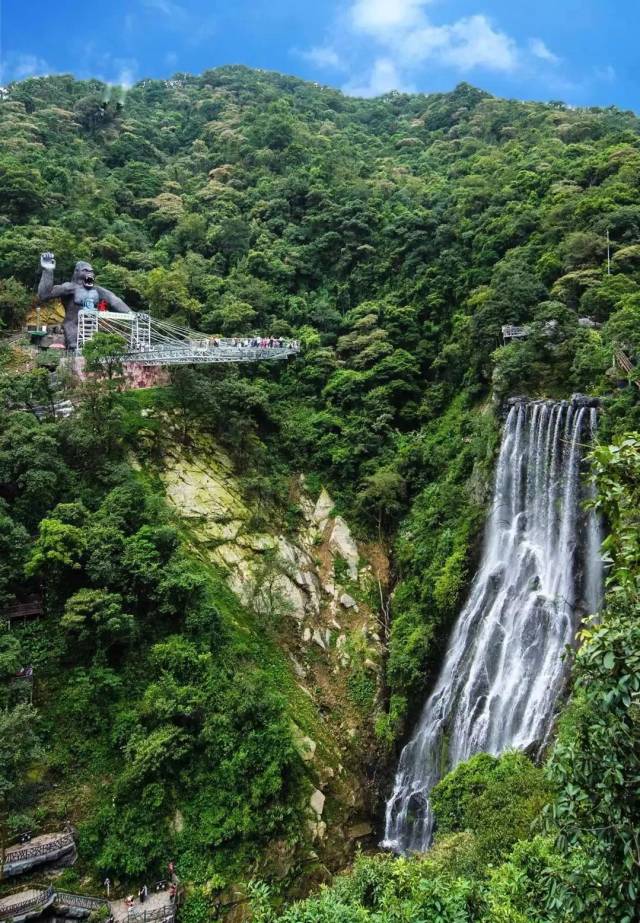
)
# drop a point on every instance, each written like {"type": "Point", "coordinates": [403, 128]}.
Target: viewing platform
{"type": "Point", "coordinates": [512, 332]}
{"type": "Point", "coordinates": [41, 850]}
{"type": "Point", "coordinates": [30, 608]}
{"type": "Point", "coordinates": [34, 902]}
{"type": "Point", "coordinates": [27, 904]}
{"type": "Point", "coordinates": [157, 907]}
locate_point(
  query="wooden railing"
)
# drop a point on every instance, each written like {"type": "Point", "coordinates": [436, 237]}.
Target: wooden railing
{"type": "Point", "coordinates": [41, 849]}
{"type": "Point", "coordinates": [41, 899]}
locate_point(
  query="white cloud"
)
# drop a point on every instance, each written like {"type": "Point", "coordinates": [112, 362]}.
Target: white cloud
{"type": "Point", "coordinates": [539, 50]}
{"type": "Point", "coordinates": [171, 58]}
{"type": "Point", "coordinates": [465, 45]}
{"type": "Point", "coordinates": [324, 56]}
{"type": "Point", "coordinates": [376, 17]}
{"type": "Point", "coordinates": [106, 67]}
{"type": "Point", "coordinates": [475, 43]}
{"type": "Point", "coordinates": [382, 78]}
{"type": "Point", "coordinates": [126, 77]}
{"type": "Point", "coordinates": [19, 66]}
{"type": "Point", "coordinates": [399, 37]}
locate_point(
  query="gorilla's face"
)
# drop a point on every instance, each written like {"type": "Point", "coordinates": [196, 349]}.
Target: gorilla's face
{"type": "Point", "coordinates": [84, 275]}
{"type": "Point", "coordinates": [87, 276]}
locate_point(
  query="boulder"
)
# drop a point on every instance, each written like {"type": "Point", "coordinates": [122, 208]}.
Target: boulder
{"type": "Point", "coordinates": [322, 510]}
{"type": "Point", "coordinates": [317, 802]}
{"type": "Point", "coordinates": [342, 543]}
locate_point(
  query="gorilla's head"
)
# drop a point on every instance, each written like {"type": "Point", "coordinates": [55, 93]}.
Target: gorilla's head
{"type": "Point", "coordinates": [83, 274]}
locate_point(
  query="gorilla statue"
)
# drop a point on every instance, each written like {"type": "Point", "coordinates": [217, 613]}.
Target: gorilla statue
{"type": "Point", "coordinates": [80, 293]}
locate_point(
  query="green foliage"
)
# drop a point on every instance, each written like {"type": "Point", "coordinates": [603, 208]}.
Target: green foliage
{"type": "Point", "coordinates": [595, 763]}
{"type": "Point", "coordinates": [383, 890]}
{"type": "Point", "coordinates": [496, 799]}
{"type": "Point", "coordinates": [15, 300]}
{"type": "Point", "coordinates": [104, 354]}
{"type": "Point", "coordinates": [96, 617]}
{"type": "Point", "coordinates": [452, 457]}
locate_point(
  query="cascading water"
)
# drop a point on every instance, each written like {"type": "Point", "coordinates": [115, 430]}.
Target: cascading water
{"type": "Point", "coordinates": [540, 571]}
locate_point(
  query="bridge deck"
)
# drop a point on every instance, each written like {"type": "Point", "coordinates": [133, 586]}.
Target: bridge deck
{"type": "Point", "coordinates": [181, 356]}
{"type": "Point", "coordinates": [149, 341]}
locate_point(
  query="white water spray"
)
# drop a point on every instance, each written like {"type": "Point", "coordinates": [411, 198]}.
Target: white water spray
{"type": "Point", "coordinates": [540, 572]}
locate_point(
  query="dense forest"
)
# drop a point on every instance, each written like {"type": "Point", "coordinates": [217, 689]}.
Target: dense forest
{"type": "Point", "coordinates": [394, 237]}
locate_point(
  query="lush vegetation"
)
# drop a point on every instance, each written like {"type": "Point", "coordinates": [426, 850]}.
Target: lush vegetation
{"type": "Point", "coordinates": [150, 680]}
{"type": "Point", "coordinates": [514, 843]}
{"type": "Point", "coordinates": [394, 237]}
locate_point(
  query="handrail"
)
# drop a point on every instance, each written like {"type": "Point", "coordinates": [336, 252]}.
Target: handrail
{"type": "Point", "coordinates": [81, 900]}
{"type": "Point", "coordinates": [166, 912]}
{"type": "Point", "coordinates": [41, 849]}
{"type": "Point", "coordinates": [11, 910]}
{"type": "Point", "coordinates": [625, 363]}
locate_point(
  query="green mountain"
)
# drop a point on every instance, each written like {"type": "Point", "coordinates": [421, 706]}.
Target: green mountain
{"type": "Point", "coordinates": [248, 575]}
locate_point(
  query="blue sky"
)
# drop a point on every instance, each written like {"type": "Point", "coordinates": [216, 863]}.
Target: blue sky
{"type": "Point", "coordinates": [582, 51]}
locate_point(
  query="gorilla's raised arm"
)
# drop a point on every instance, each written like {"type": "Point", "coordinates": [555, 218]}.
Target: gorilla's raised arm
{"type": "Point", "coordinates": [46, 289]}
{"type": "Point", "coordinates": [115, 303]}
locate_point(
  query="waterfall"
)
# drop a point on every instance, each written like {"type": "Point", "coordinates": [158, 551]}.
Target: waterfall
{"type": "Point", "coordinates": [540, 572]}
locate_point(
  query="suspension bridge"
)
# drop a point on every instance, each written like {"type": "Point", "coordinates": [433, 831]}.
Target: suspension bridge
{"type": "Point", "coordinates": [151, 342]}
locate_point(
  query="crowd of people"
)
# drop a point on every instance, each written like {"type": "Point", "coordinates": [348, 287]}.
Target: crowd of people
{"type": "Point", "coordinates": [256, 343]}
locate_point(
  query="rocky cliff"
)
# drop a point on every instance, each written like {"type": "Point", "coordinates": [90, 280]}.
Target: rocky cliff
{"type": "Point", "coordinates": [317, 591]}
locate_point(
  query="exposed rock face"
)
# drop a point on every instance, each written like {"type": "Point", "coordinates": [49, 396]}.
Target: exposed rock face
{"type": "Point", "coordinates": [341, 543]}
{"type": "Point", "coordinates": [261, 566]}
{"type": "Point", "coordinates": [317, 802]}
{"type": "Point", "coordinates": [317, 609]}
{"type": "Point", "coordinates": [322, 510]}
